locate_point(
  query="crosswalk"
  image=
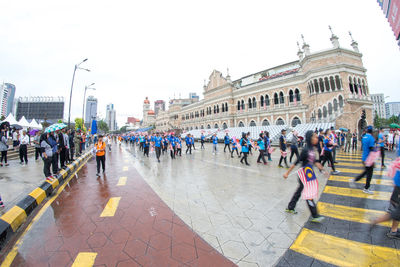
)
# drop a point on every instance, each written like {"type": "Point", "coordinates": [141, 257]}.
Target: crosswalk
{"type": "Point", "coordinates": [345, 237]}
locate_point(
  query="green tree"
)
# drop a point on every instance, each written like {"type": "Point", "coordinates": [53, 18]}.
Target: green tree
{"type": "Point", "coordinates": [378, 122]}
{"type": "Point", "coordinates": [2, 118]}
{"type": "Point", "coordinates": [79, 124]}
{"type": "Point", "coordinates": [393, 119]}
{"type": "Point", "coordinates": [123, 129]}
{"type": "Point", "coordinates": [103, 126]}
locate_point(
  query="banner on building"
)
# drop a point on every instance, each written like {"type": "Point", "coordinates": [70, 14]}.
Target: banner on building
{"type": "Point", "coordinates": [394, 17]}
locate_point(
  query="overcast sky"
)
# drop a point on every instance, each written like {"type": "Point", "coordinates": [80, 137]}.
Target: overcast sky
{"type": "Point", "coordinates": [161, 48]}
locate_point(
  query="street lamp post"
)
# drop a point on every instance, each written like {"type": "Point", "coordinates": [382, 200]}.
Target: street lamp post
{"type": "Point", "coordinates": [72, 86]}
{"type": "Point", "coordinates": [84, 99]}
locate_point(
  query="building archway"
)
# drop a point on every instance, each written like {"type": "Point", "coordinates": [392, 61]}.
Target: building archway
{"type": "Point", "coordinates": [280, 121]}
{"type": "Point", "coordinates": [224, 126]}
{"type": "Point", "coordinates": [295, 121]}
{"type": "Point", "coordinates": [241, 124]}
{"type": "Point", "coordinates": [208, 126]}
{"type": "Point", "coordinates": [216, 126]}
{"type": "Point", "coordinates": [265, 122]}
{"type": "Point", "coordinates": [252, 124]}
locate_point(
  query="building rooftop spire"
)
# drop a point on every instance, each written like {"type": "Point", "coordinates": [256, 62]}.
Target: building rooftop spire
{"type": "Point", "coordinates": [354, 44]}
{"type": "Point", "coordinates": [334, 39]}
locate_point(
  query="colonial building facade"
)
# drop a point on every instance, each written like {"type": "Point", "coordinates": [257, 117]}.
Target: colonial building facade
{"type": "Point", "coordinates": [323, 86]}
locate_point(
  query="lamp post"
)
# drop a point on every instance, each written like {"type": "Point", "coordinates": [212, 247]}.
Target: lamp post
{"type": "Point", "coordinates": [84, 99]}
{"type": "Point", "coordinates": [72, 86]}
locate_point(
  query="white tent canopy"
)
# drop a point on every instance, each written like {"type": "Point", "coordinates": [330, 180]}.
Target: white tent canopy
{"type": "Point", "coordinates": [35, 125]}
{"type": "Point", "coordinates": [10, 118]}
{"type": "Point", "coordinates": [23, 122]}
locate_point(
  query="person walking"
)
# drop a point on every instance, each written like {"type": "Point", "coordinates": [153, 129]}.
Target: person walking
{"type": "Point", "coordinates": [308, 183]}
{"type": "Point", "coordinates": [294, 144]}
{"type": "Point", "coordinates": [202, 137]}
{"type": "Point", "coordinates": [215, 143]}
{"type": "Point", "coordinates": [188, 142]}
{"type": "Point", "coordinates": [234, 147]}
{"type": "Point", "coordinates": [47, 154]}
{"type": "Point", "coordinates": [267, 142]}
{"type": "Point", "coordinates": [329, 145]}
{"type": "Point", "coordinates": [282, 147]}
{"type": "Point", "coordinates": [227, 142]}
{"type": "Point", "coordinates": [23, 147]}
{"type": "Point", "coordinates": [157, 146]}
{"type": "Point", "coordinates": [348, 142]}
{"type": "Point", "coordinates": [368, 144]}
{"type": "Point", "coordinates": [36, 142]}
{"type": "Point", "coordinates": [354, 136]}
{"type": "Point", "coordinates": [100, 148]}
{"type": "Point", "coordinates": [15, 138]}
{"type": "Point", "coordinates": [3, 147]}
{"type": "Point", "coordinates": [381, 144]}
{"type": "Point", "coordinates": [261, 149]}
{"type": "Point", "coordinates": [245, 149]}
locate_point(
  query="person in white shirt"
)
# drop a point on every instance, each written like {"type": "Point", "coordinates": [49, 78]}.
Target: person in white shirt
{"type": "Point", "coordinates": [15, 138]}
{"type": "Point", "coordinates": [23, 147]}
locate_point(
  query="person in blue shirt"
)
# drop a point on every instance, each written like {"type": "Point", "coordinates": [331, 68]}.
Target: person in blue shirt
{"type": "Point", "coordinates": [192, 141]}
{"type": "Point", "coordinates": [234, 148]}
{"type": "Point", "coordinates": [53, 143]}
{"type": "Point", "coordinates": [227, 142]}
{"type": "Point", "coordinates": [267, 143]}
{"type": "Point", "coordinates": [146, 145]}
{"type": "Point", "coordinates": [329, 145]}
{"type": "Point", "coordinates": [141, 142]}
{"type": "Point", "coordinates": [245, 149]}
{"type": "Point", "coordinates": [282, 147]}
{"type": "Point", "coordinates": [393, 212]}
{"type": "Point", "coordinates": [188, 142]}
{"type": "Point", "coordinates": [178, 141]}
{"type": "Point", "coordinates": [202, 138]}
{"type": "Point", "coordinates": [368, 144]}
{"type": "Point", "coordinates": [164, 144]}
{"type": "Point", "coordinates": [215, 143]}
{"type": "Point", "coordinates": [261, 149]}
{"type": "Point", "coordinates": [171, 142]}
{"type": "Point", "coordinates": [157, 145]}
{"type": "Point", "coordinates": [381, 144]}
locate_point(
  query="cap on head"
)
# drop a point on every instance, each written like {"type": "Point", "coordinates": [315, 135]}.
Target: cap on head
{"type": "Point", "coordinates": [370, 129]}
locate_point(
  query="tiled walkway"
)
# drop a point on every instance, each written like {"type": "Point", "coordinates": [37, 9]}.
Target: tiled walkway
{"type": "Point", "coordinates": [114, 220]}
{"type": "Point", "coordinates": [345, 237]}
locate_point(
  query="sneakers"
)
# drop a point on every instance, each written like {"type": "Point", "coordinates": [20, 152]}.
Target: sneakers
{"type": "Point", "coordinates": [367, 191]}
{"type": "Point", "coordinates": [293, 211]}
{"type": "Point", "coordinates": [335, 172]}
{"type": "Point", "coordinates": [318, 219]}
{"type": "Point", "coordinates": [393, 235]}
{"type": "Point", "coordinates": [280, 166]}
{"type": "Point", "coordinates": [270, 160]}
{"type": "Point", "coordinates": [352, 183]}
{"type": "Point", "coordinates": [1, 204]}
{"type": "Point", "coordinates": [97, 174]}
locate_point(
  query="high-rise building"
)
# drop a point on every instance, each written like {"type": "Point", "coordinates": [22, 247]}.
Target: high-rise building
{"type": "Point", "coordinates": [111, 117]}
{"type": "Point", "coordinates": [378, 101]}
{"type": "Point", "coordinates": [7, 94]}
{"type": "Point", "coordinates": [159, 105]}
{"type": "Point", "coordinates": [91, 109]}
{"type": "Point", "coordinates": [392, 109]}
{"type": "Point", "coordinates": [40, 108]}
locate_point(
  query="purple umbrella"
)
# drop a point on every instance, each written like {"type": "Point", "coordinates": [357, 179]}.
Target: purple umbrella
{"type": "Point", "coordinates": [33, 132]}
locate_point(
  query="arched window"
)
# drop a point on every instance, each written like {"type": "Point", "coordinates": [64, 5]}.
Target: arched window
{"type": "Point", "coordinates": [254, 102]}
{"type": "Point", "coordinates": [355, 86]}
{"type": "Point", "coordinates": [216, 126]}
{"type": "Point", "coordinates": [309, 88]}
{"type": "Point", "coordinates": [226, 107]}
{"type": "Point", "coordinates": [291, 99]}
{"type": "Point", "coordinates": [280, 122]}
{"type": "Point", "coordinates": [341, 101]}
{"type": "Point", "coordinates": [202, 127]}
{"type": "Point", "coordinates": [330, 109]}
{"type": "Point", "coordinates": [267, 100]}
{"type": "Point", "coordinates": [191, 128]}
{"type": "Point", "coordinates": [321, 85]}
{"type": "Point", "coordinates": [196, 128]}
{"type": "Point", "coordinates": [224, 126]}
{"type": "Point", "coordinates": [238, 105]}
{"type": "Point", "coordinates": [281, 98]}
{"type": "Point", "coordinates": [335, 104]}
{"type": "Point", "coordinates": [262, 101]}
{"type": "Point", "coordinates": [276, 100]}
{"type": "Point", "coordinates": [319, 114]}
{"type": "Point", "coordinates": [249, 103]}
{"type": "Point", "coordinates": [316, 86]}
{"type": "Point", "coordinates": [338, 84]}
{"type": "Point", "coordinates": [332, 82]}
{"type": "Point", "coordinates": [253, 124]}
{"type": "Point", "coordinates": [351, 85]}
{"type": "Point", "coordinates": [326, 84]}
{"type": "Point", "coordinates": [297, 94]}
{"type": "Point", "coordinates": [265, 122]}
{"type": "Point", "coordinates": [295, 121]}
{"type": "Point", "coordinates": [242, 108]}
{"type": "Point", "coordinates": [241, 124]}
{"type": "Point", "coordinates": [325, 112]}
{"type": "Point", "coordinates": [223, 107]}
{"type": "Point", "coordinates": [363, 87]}
{"type": "Point", "coordinates": [208, 126]}
{"type": "Point", "coordinates": [312, 87]}
{"type": "Point", "coordinates": [217, 108]}
{"type": "Point", "coordinates": [359, 86]}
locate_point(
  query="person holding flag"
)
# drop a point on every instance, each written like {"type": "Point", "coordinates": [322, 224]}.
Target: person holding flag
{"type": "Point", "coordinates": [234, 147]}
{"type": "Point", "coordinates": [308, 183]}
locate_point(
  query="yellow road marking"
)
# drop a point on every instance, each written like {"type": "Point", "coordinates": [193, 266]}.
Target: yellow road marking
{"type": "Point", "coordinates": [125, 168]}
{"type": "Point", "coordinates": [347, 178]}
{"type": "Point", "coordinates": [350, 213]}
{"type": "Point", "coordinates": [14, 217]}
{"type": "Point", "coordinates": [122, 181]}
{"type": "Point", "coordinates": [39, 194]}
{"type": "Point", "coordinates": [350, 164]}
{"type": "Point", "coordinates": [8, 260]}
{"type": "Point", "coordinates": [111, 207]}
{"type": "Point", "coordinates": [350, 192]}
{"type": "Point", "coordinates": [343, 252]}
{"type": "Point", "coordinates": [378, 172]}
{"type": "Point", "coordinates": [84, 259]}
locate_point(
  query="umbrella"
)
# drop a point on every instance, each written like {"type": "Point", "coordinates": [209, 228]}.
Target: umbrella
{"type": "Point", "coordinates": [55, 127]}
{"type": "Point", "coordinates": [94, 127]}
{"type": "Point", "coordinates": [344, 129]}
{"type": "Point", "coordinates": [33, 132]}
{"type": "Point", "coordinates": [4, 124]}
{"type": "Point", "coordinates": [16, 126]}
{"type": "Point", "coordinates": [394, 125]}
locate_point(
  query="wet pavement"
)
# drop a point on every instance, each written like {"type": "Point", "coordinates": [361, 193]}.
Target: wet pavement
{"type": "Point", "coordinates": [114, 220]}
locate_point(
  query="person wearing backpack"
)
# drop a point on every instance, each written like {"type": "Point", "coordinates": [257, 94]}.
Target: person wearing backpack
{"type": "Point", "coordinates": [100, 148]}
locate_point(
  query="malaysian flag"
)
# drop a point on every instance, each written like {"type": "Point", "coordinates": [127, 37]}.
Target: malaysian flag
{"type": "Point", "coordinates": [310, 182]}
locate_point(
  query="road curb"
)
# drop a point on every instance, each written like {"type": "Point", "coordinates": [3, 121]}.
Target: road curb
{"type": "Point", "coordinates": [17, 215]}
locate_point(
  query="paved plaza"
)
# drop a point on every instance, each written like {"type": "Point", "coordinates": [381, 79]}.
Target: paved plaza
{"type": "Point", "coordinates": [204, 210]}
